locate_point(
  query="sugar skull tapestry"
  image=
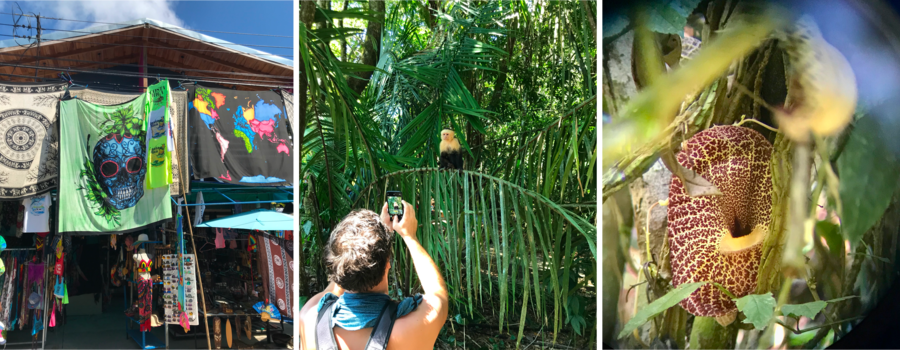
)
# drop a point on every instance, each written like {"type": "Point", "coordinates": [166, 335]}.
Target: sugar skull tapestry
{"type": "Point", "coordinates": [240, 137]}
{"type": "Point", "coordinates": [104, 169]}
{"type": "Point", "coordinates": [29, 148]}
{"type": "Point", "coordinates": [178, 115]}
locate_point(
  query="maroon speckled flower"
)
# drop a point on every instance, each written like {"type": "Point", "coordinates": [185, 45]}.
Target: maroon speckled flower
{"type": "Point", "coordinates": [719, 238]}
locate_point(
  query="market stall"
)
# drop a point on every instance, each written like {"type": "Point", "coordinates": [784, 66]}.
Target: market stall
{"type": "Point", "coordinates": [238, 291]}
{"type": "Point", "coordinates": [114, 175]}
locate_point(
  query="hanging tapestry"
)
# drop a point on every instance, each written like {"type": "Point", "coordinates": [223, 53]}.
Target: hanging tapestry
{"type": "Point", "coordinates": [156, 127]}
{"type": "Point", "coordinates": [288, 98]}
{"type": "Point", "coordinates": [177, 112]}
{"type": "Point", "coordinates": [29, 150]}
{"type": "Point", "coordinates": [240, 137]}
{"type": "Point", "coordinates": [103, 169]}
{"type": "Point", "coordinates": [277, 269]}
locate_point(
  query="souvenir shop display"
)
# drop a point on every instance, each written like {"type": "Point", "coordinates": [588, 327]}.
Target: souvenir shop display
{"type": "Point", "coordinates": [108, 169]}
{"type": "Point", "coordinates": [176, 292]}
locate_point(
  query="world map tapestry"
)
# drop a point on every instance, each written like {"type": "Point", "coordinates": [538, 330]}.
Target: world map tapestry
{"type": "Point", "coordinates": [177, 111]}
{"type": "Point", "coordinates": [240, 137]}
{"type": "Point", "coordinates": [103, 169]}
{"type": "Point", "coordinates": [29, 150]}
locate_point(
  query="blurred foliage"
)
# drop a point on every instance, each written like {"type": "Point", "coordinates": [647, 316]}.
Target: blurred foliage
{"type": "Point", "coordinates": [850, 195]}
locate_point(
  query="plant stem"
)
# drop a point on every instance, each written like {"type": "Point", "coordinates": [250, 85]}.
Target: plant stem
{"type": "Point", "coordinates": [707, 333]}
{"type": "Point", "coordinates": [795, 331]}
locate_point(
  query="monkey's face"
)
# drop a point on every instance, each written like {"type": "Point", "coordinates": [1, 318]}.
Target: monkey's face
{"type": "Point", "coordinates": [446, 135]}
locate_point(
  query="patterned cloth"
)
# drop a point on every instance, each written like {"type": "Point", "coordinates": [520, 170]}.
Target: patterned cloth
{"type": "Point", "coordinates": [145, 303]}
{"type": "Point", "coordinates": [9, 287]}
{"type": "Point", "coordinates": [29, 150]}
{"type": "Point", "coordinates": [103, 170]}
{"type": "Point", "coordinates": [277, 270]}
{"type": "Point", "coordinates": [240, 137]}
{"type": "Point", "coordinates": [178, 109]}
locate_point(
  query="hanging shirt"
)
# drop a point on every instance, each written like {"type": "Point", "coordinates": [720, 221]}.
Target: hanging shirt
{"type": "Point", "coordinates": [159, 160]}
{"type": "Point", "coordinates": [220, 238]}
{"type": "Point", "coordinates": [37, 214]}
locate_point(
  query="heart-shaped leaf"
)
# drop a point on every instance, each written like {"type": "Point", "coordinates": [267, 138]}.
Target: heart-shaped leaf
{"type": "Point", "coordinates": [758, 309]}
{"type": "Point", "coordinates": [809, 310]}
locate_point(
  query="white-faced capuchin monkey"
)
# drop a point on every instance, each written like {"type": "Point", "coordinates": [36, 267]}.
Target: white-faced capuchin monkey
{"type": "Point", "coordinates": [451, 154]}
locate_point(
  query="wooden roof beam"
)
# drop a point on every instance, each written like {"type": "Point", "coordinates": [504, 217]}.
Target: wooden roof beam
{"type": "Point", "coordinates": [6, 57]}
{"type": "Point", "coordinates": [208, 59]}
{"type": "Point", "coordinates": [175, 66]}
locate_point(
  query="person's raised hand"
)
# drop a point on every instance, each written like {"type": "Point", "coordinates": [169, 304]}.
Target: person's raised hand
{"type": "Point", "coordinates": [385, 217]}
{"type": "Point", "coordinates": [407, 226]}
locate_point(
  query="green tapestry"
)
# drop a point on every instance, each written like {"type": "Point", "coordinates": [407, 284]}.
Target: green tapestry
{"type": "Point", "coordinates": [159, 165]}
{"type": "Point", "coordinates": [102, 171]}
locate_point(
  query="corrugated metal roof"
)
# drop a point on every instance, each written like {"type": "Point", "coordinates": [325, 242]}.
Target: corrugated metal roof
{"type": "Point", "coordinates": [61, 35]}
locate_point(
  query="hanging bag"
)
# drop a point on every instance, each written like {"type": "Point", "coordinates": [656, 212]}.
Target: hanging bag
{"type": "Point", "coordinates": [53, 316]}
{"type": "Point", "coordinates": [59, 290]}
{"type": "Point", "coordinates": [58, 270]}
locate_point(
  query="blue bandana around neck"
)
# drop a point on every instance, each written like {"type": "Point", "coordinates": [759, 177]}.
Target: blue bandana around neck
{"type": "Point", "coordinates": [355, 311]}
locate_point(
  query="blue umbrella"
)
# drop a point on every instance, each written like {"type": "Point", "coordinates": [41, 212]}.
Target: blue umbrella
{"type": "Point", "coordinates": [259, 219]}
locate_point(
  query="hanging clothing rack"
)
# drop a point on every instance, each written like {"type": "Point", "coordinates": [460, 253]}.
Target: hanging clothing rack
{"type": "Point", "coordinates": [46, 301]}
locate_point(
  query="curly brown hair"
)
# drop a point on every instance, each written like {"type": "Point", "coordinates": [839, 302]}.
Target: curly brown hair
{"type": "Point", "coordinates": [358, 251]}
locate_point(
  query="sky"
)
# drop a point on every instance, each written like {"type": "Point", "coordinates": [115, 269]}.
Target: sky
{"type": "Point", "coordinates": [258, 17]}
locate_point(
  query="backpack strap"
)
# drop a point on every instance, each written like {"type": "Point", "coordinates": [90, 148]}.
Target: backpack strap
{"type": "Point", "coordinates": [381, 333]}
{"type": "Point", "coordinates": [324, 334]}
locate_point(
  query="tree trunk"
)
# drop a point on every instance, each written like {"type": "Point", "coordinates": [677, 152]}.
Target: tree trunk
{"type": "Point", "coordinates": [500, 83]}
{"type": "Point", "coordinates": [307, 13]}
{"type": "Point", "coordinates": [323, 23]}
{"type": "Point", "coordinates": [371, 46]}
{"type": "Point", "coordinates": [344, 39]}
{"type": "Point", "coordinates": [618, 84]}
{"type": "Point", "coordinates": [429, 13]}
{"type": "Point", "coordinates": [590, 16]}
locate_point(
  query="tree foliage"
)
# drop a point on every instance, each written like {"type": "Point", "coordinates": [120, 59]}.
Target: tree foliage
{"type": "Point", "coordinates": [513, 233]}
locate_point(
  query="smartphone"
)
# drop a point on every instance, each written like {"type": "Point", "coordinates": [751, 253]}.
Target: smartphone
{"type": "Point", "coordinates": [395, 204]}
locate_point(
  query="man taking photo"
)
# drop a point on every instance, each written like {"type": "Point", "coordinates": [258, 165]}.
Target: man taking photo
{"type": "Point", "coordinates": [355, 312]}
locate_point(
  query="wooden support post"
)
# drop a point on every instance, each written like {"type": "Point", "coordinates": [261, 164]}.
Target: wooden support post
{"type": "Point", "coordinates": [143, 67]}
{"type": "Point", "coordinates": [187, 214]}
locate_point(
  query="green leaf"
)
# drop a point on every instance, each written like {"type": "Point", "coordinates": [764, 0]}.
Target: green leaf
{"type": "Point", "coordinates": [759, 309]}
{"type": "Point", "coordinates": [800, 339]}
{"type": "Point", "coordinates": [671, 17]}
{"type": "Point", "coordinates": [832, 234]}
{"type": "Point", "coordinates": [809, 310]}
{"type": "Point", "coordinates": [659, 305]}
{"type": "Point", "coordinates": [868, 173]}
